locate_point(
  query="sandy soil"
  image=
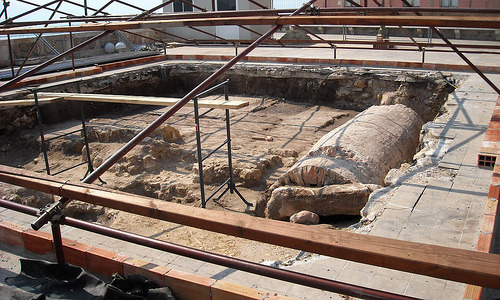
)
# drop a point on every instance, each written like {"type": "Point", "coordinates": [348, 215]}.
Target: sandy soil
{"type": "Point", "coordinates": [291, 128]}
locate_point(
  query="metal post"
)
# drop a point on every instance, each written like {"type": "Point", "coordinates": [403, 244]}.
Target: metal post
{"type": "Point", "coordinates": [198, 152]}
{"type": "Point", "coordinates": [334, 51]}
{"type": "Point", "coordinates": [236, 48]}
{"type": "Point", "coordinates": [71, 46]}
{"type": "Point", "coordinates": [84, 130]}
{"type": "Point", "coordinates": [11, 58]}
{"type": "Point", "coordinates": [58, 246]}
{"type": "Point", "coordinates": [40, 127]}
{"type": "Point", "coordinates": [423, 55]}
{"type": "Point", "coordinates": [228, 137]}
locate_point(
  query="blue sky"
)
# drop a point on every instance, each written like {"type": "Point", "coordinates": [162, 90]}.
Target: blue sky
{"type": "Point", "coordinates": [17, 7]}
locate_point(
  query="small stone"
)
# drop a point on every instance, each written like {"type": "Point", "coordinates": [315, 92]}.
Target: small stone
{"type": "Point", "coordinates": [305, 217]}
{"type": "Point", "coordinates": [169, 133]}
{"type": "Point", "coordinates": [360, 84]}
{"type": "Point", "coordinates": [97, 161]}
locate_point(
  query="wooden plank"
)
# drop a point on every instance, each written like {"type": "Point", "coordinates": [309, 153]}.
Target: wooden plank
{"type": "Point", "coordinates": [28, 102]}
{"type": "Point", "coordinates": [461, 265]}
{"type": "Point", "coordinates": [143, 100]}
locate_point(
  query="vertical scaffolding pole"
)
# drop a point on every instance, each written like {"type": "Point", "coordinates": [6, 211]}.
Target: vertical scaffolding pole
{"type": "Point", "coordinates": [57, 238]}
{"type": "Point", "coordinates": [40, 128]}
{"type": "Point", "coordinates": [5, 5]}
{"type": "Point", "coordinates": [198, 153]}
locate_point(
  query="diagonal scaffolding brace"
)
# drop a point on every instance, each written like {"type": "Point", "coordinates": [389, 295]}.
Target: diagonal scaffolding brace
{"type": "Point", "coordinates": [48, 213]}
{"type": "Point", "coordinates": [458, 52]}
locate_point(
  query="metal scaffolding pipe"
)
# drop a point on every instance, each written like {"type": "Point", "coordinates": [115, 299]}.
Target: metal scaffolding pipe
{"type": "Point", "coordinates": [47, 215]}
{"type": "Point", "coordinates": [28, 12]}
{"type": "Point", "coordinates": [72, 50]}
{"type": "Point", "coordinates": [214, 258]}
{"type": "Point", "coordinates": [38, 39]}
{"type": "Point", "coordinates": [462, 56]}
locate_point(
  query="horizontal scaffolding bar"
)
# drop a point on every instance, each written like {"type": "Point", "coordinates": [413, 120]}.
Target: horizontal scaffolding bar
{"type": "Point", "coordinates": [208, 91]}
{"type": "Point", "coordinates": [437, 21]}
{"type": "Point", "coordinates": [63, 135]}
{"type": "Point", "coordinates": [461, 265]}
{"type": "Point", "coordinates": [214, 258]}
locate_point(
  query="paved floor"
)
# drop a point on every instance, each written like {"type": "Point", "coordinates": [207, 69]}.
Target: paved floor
{"type": "Point", "coordinates": [443, 210]}
{"type": "Point", "coordinates": [343, 53]}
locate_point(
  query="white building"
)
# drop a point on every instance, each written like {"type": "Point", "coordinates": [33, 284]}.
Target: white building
{"type": "Point", "coordinates": [227, 32]}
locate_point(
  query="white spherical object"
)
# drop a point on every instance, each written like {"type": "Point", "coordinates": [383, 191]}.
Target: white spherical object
{"type": "Point", "coordinates": [120, 47]}
{"type": "Point", "coordinates": [109, 48]}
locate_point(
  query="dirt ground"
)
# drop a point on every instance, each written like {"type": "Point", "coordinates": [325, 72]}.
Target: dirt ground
{"type": "Point", "coordinates": [267, 137]}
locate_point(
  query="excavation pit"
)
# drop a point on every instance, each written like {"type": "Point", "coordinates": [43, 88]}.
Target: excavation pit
{"type": "Point", "coordinates": [290, 108]}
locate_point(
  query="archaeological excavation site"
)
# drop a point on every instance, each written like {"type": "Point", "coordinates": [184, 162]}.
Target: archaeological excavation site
{"type": "Point", "coordinates": [249, 149]}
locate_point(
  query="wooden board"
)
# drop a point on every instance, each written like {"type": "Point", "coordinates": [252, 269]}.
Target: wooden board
{"type": "Point", "coordinates": [143, 100]}
{"type": "Point", "coordinates": [28, 102]}
{"type": "Point", "coordinates": [477, 268]}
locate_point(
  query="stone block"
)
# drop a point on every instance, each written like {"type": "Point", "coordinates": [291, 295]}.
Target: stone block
{"type": "Point", "coordinates": [75, 253]}
{"type": "Point", "coordinates": [104, 262]}
{"type": "Point", "coordinates": [11, 234]}
{"type": "Point", "coordinates": [38, 241]}
{"type": "Point", "coordinates": [148, 270]}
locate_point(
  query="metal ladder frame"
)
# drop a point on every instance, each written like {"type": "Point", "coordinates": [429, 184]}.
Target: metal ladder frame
{"type": "Point", "coordinates": [83, 130]}
{"type": "Point", "coordinates": [229, 183]}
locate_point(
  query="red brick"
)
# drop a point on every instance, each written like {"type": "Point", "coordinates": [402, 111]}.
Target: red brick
{"type": "Point", "coordinates": [186, 286]}
{"type": "Point", "coordinates": [150, 271]}
{"type": "Point", "coordinates": [488, 224]}
{"type": "Point", "coordinates": [75, 253]}
{"type": "Point", "coordinates": [104, 262]}
{"type": "Point", "coordinates": [11, 234]}
{"type": "Point", "coordinates": [494, 191]}
{"type": "Point", "coordinates": [222, 290]}
{"type": "Point", "coordinates": [484, 242]}
{"type": "Point", "coordinates": [38, 241]}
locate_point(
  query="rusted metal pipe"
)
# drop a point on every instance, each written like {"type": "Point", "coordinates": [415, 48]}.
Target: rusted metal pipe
{"type": "Point", "coordinates": [47, 215]}
{"type": "Point", "coordinates": [72, 50]}
{"type": "Point", "coordinates": [212, 35]}
{"type": "Point", "coordinates": [222, 260]}
{"type": "Point", "coordinates": [28, 12]}
{"type": "Point", "coordinates": [11, 58]}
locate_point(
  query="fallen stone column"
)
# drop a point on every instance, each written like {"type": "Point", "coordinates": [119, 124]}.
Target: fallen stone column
{"type": "Point", "coordinates": [361, 151]}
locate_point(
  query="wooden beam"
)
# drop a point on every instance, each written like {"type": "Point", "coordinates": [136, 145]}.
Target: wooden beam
{"type": "Point", "coordinates": [142, 100]}
{"type": "Point", "coordinates": [466, 266]}
{"type": "Point", "coordinates": [28, 102]}
{"type": "Point", "coordinates": [436, 21]}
